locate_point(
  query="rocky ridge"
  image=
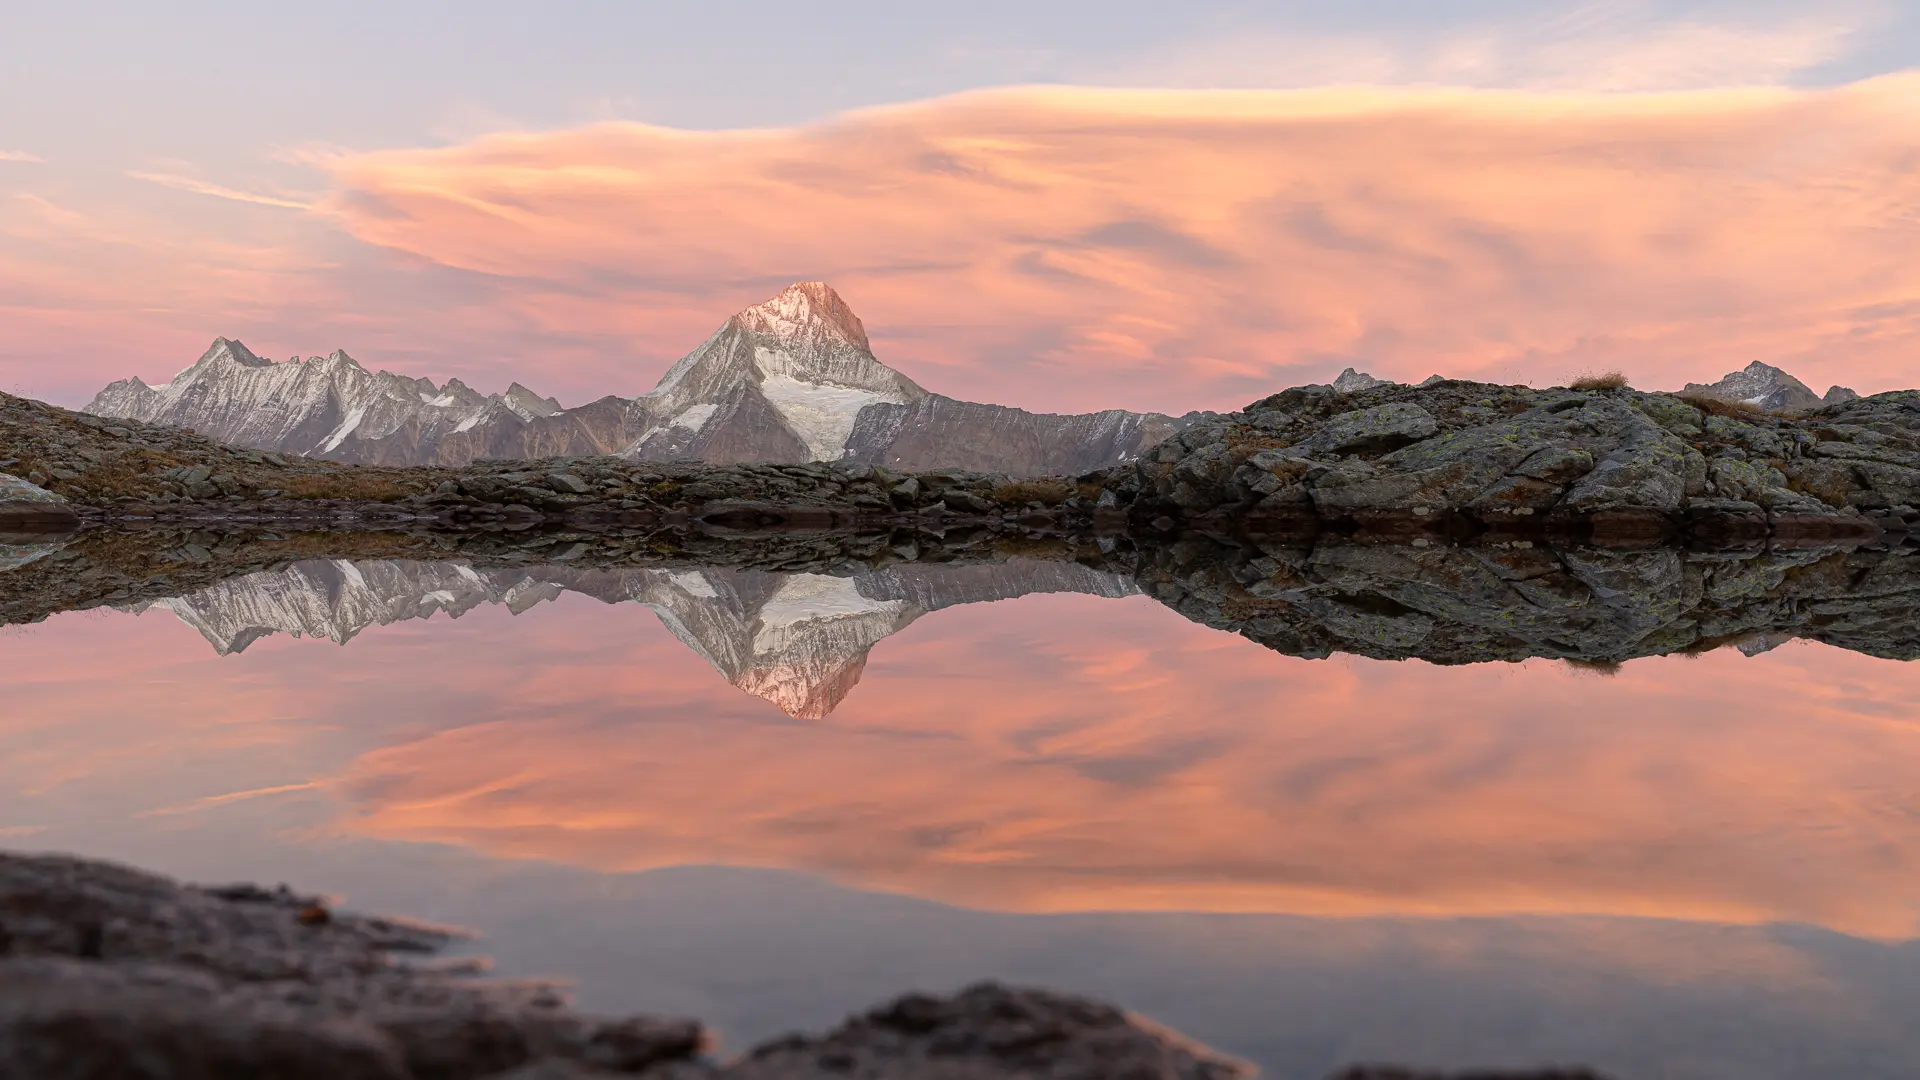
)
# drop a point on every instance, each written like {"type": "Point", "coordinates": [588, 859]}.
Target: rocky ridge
{"type": "Point", "coordinates": [1453, 456]}
{"type": "Point", "coordinates": [122, 471]}
{"type": "Point", "coordinates": [792, 379]}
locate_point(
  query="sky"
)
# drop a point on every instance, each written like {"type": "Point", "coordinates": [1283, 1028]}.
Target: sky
{"type": "Point", "coordinates": [1062, 206]}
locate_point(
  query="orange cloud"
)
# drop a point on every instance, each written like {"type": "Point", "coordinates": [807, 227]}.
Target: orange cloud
{"type": "Point", "coordinates": [1075, 248]}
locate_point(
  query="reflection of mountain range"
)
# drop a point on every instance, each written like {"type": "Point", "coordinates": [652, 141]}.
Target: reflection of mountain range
{"type": "Point", "coordinates": [789, 380]}
{"type": "Point", "coordinates": [798, 640]}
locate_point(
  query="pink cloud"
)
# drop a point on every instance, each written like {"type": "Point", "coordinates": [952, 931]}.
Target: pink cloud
{"type": "Point", "coordinates": [1056, 248]}
{"type": "Point", "coordinates": [1068, 248]}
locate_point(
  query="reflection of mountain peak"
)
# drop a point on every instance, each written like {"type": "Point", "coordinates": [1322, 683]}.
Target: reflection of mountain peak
{"type": "Point", "coordinates": [797, 640]}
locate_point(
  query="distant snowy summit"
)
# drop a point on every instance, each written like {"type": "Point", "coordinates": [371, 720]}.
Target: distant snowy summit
{"type": "Point", "coordinates": [1767, 387]}
{"type": "Point", "coordinates": [1760, 385]}
{"type": "Point", "coordinates": [789, 380]}
{"type": "Point", "coordinates": [314, 406]}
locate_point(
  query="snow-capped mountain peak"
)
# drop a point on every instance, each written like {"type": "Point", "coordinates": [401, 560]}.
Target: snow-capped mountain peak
{"type": "Point", "coordinates": [1760, 385]}
{"type": "Point", "coordinates": [789, 379]}
{"type": "Point", "coordinates": [806, 312]}
{"type": "Point", "coordinates": [229, 351]}
{"type": "Point", "coordinates": [318, 405]}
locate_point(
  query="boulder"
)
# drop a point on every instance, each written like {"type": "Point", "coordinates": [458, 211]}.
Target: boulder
{"type": "Point", "coordinates": [991, 1032]}
{"type": "Point", "coordinates": [1374, 430]}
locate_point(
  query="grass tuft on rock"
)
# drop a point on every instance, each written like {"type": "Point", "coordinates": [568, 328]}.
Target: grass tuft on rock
{"type": "Point", "coordinates": [1732, 410]}
{"type": "Point", "coordinates": [1600, 380]}
{"type": "Point", "coordinates": [1046, 492]}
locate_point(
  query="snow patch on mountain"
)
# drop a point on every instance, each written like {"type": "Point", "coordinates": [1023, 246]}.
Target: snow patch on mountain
{"type": "Point", "coordinates": [693, 417]}
{"type": "Point", "coordinates": [822, 415]}
{"type": "Point", "coordinates": [354, 416]}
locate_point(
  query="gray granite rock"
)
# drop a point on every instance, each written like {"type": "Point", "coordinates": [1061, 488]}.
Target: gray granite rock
{"type": "Point", "coordinates": [990, 1032]}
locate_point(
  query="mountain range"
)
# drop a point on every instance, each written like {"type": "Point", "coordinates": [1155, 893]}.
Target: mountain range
{"type": "Point", "coordinates": [789, 380]}
{"type": "Point", "coordinates": [797, 640]}
{"type": "Point", "coordinates": [1760, 385]}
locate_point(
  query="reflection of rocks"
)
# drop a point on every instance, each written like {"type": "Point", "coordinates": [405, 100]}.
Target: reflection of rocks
{"type": "Point", "coordinates": [790, 616]}
{"type": "Point", "coordinates": [109, 972]}
{"type": "Point", "coordinates": [19, 549]}
{"type": "Point", "coordinates": [800, 640]}
{"type": "Point", "coordinates": [1512, 600]}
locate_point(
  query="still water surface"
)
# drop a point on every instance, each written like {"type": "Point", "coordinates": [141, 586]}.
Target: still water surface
{"type": "Point", "coordinates": [770, 800]}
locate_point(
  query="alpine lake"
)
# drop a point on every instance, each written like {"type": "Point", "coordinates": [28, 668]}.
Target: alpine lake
{"type": "Point", "coordinates": [1409, 806]}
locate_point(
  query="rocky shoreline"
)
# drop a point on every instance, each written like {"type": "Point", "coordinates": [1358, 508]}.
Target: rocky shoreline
{"type": "Point", "coordinates": [1607, 464]}
{"type": "Point", "coordinates": [121, 472]}
{"type": "Point", "coordinates": [107, 971]}
{"type": "Point", "coordinates": [1601, 461]}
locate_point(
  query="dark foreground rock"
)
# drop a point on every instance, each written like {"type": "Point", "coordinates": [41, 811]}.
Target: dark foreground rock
{"type": "Point", "coordinates": [108, 973]}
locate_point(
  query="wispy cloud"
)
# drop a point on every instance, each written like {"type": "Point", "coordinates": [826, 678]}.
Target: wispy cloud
{"type": "Point", "coordinates": [21, 155]}
{"type": "Point", "coordinates": [1620, 45]}
{"type": "Point", "coordinates": [1076, 248]}
{"type": "Point", "coordinates": [221, 800]}
{"type": "Point", "coordinates": [202, 187]}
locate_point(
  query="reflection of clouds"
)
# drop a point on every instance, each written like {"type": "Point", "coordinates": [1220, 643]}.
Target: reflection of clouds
{"type": "Point", "coordinates": [1032, 757]}
{"type": "Point", "coordinates": [1047, 754]}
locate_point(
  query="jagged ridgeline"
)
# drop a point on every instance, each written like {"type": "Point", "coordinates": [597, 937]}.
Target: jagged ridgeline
{"type": "Point", "coordinates": [789, 380]}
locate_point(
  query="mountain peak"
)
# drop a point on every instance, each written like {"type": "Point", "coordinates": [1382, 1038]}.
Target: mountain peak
{"type": "Point", "coordinates": [1352, 381]}
{"type": "Point", "coordinates": [806, 311]}
{"type": "Point", "coordinates": [1761, 385]}
{"type": "Point", "coordinates": [231, 351]}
